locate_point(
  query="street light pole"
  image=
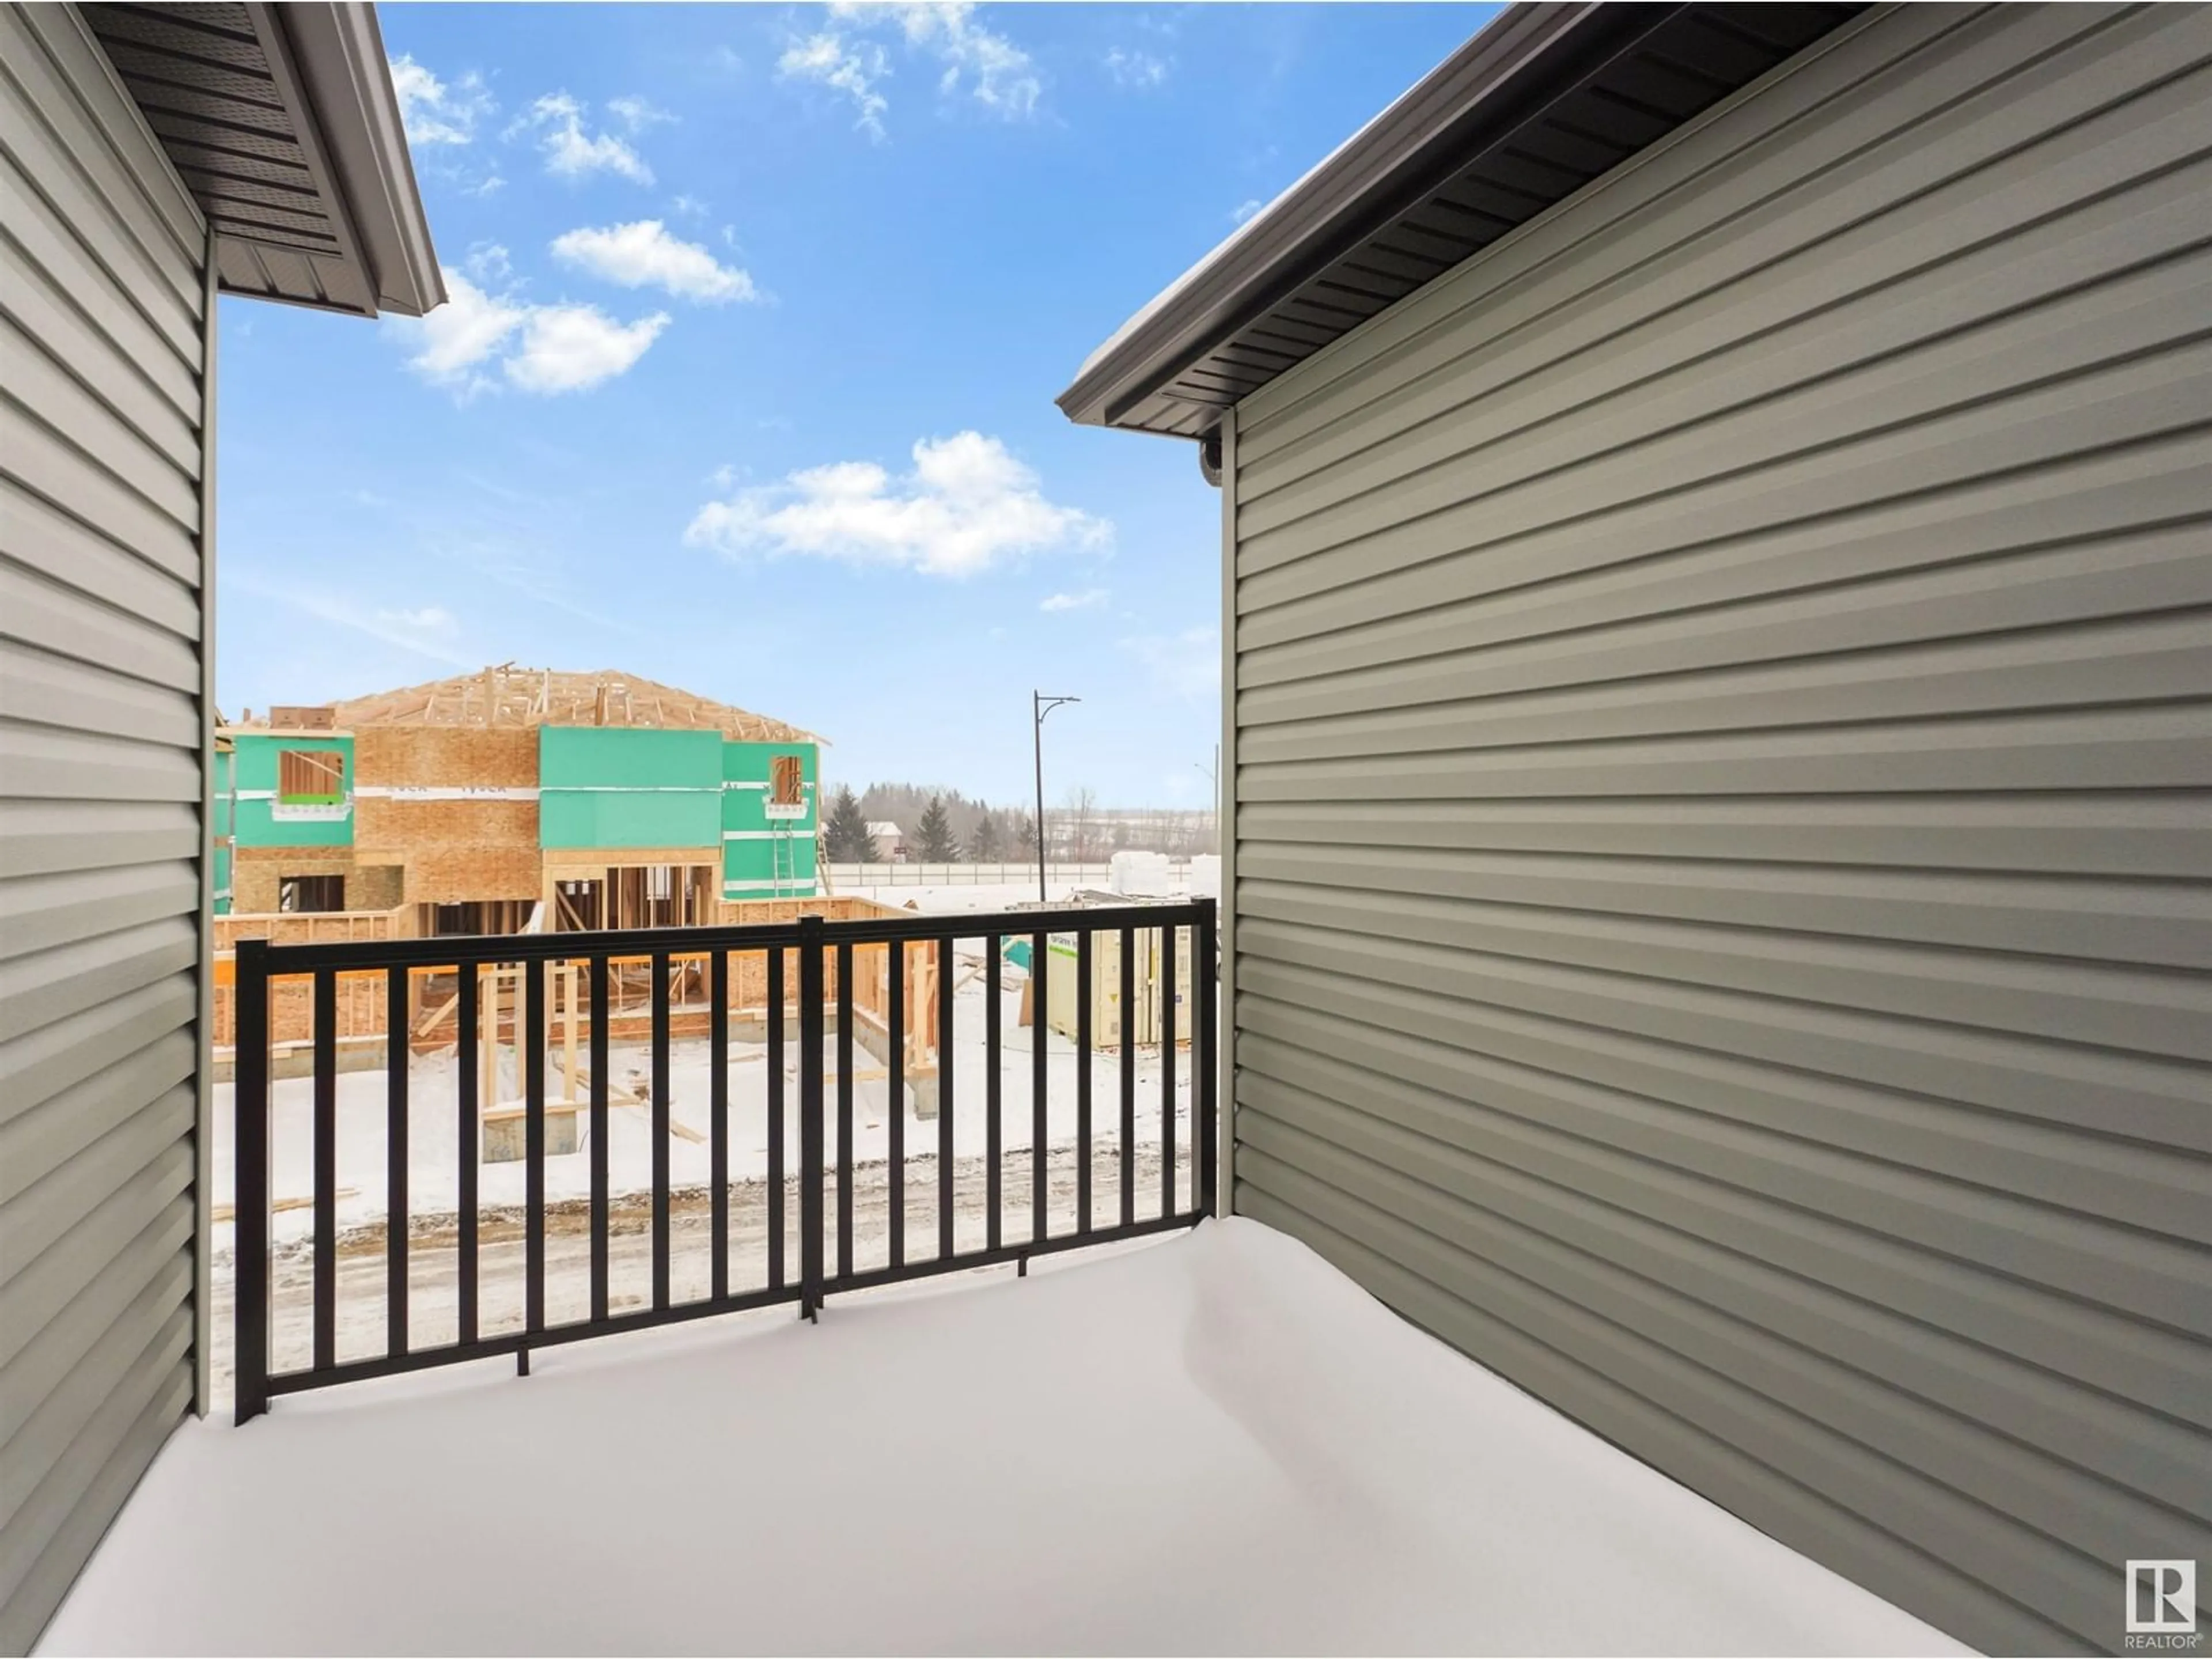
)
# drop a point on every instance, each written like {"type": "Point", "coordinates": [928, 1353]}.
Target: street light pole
{"type": "Point", "coordinates": [1040, 706]}
{"type": "Point", "coordinates": [1213, 787]}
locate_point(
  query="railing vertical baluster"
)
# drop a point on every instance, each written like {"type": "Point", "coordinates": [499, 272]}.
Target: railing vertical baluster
{"type": "Point", "coordinates": [1167, 1071]}
{"type": "Point", "coordinates": [327, 1169]}
{"type": "Point", "coordinates": [810, 1158]}
{"type": "Point", "coordinates": [250, 1179]}
{"type": "Point", "coordinates": [993, 1105]}
{"type": "Point", "coordinates": [469, 1128]}
{"type": "Point", "coordinates": [601, 1170]}
{"type": "Point", "coordinates": [944, 1100]}
{"type": "Point", "coordinates": [1205, 947]}
{"type": "Point", "coordinates": [717, 1121]}
{"type": "Point", "coordinates": [776, 1130]}
{"type": "Point", "coordinates": [530, 1036]}
{"type": "Point", "coordinates": [1039, 1057]}
{"type": "Point", "coordinates": [396, 1154]}
{"type": "Point", "coordinates": [1083, 1037]}
{"type": "Point", "coordinates": [895, 1019]}
{"type": "Point", "coordinates": [844, 1109]}
{"type": "Point", "coordinates": [1129, 1076]}
{"type": "Point", "coordinates": [660, 969]}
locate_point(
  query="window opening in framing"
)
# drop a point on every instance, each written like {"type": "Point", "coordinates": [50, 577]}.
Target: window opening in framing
{"type": "Point", "coordinates": [310, 777]}
{"type": "Point", "coordinates": [306, 895]}
{"type": "Point", "coordinates": [786, 781]}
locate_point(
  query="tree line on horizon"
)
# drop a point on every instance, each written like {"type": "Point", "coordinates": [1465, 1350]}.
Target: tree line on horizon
{"type": "Point", "coordinates": [944, 826]}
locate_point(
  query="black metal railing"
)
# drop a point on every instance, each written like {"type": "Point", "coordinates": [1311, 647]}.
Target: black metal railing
{"type": "Point", "coordinates": [910, 1009]}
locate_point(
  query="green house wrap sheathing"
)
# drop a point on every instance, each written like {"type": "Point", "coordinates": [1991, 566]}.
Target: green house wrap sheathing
{"type": "Point", "coordinates": [219, 788]}
{"type": "Point", "coordinates": [765, 856]}
{"type": "Point", "coordinates": [623, 788]}
{"type": "Point", "coordinates": [260, 819]}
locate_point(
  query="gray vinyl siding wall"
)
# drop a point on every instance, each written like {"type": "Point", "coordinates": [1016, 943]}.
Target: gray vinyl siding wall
{"type": "Point", "coordinates": [103, 323]}
{"type": "Point", "coordinates": [1723, 867]}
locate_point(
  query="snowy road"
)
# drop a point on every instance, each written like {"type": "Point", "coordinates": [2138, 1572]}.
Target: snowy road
{"type": "Point", "coordinates": [433, 1285]}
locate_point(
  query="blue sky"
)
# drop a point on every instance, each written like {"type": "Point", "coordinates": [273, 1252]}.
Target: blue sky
{"type": "Point", "coordinates": [746, 384]}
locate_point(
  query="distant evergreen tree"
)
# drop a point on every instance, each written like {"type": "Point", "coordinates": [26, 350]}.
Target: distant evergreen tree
{"type": "Point", "coordinates": [847, 830]}
{"type": "Point", "coordinates": [933, 840]}
{"type": "Point", "coordinates": [1021, 835]}
{"type": "Point", "coordinates": [989, 844]}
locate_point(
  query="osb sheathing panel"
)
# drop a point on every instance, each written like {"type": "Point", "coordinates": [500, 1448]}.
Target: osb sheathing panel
{"type": "Point", "coordinates": [453, 851]}
{"type": "Point", "coordinates": [392, 756]}
{"type": "Point", "coordinates": [256, 871]}
{"type": "Point", "coordinates": [456, 874]}
{"type": "Point", "coordinates": [396, 826]}
{"type": "Point", "coordinates": [375, 887]}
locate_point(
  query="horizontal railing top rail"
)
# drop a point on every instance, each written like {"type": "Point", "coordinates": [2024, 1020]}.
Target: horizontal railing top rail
{"type": "Point", "coordinates": [465, 949]}
{"type": "Point", "coordinates": [808, 970]}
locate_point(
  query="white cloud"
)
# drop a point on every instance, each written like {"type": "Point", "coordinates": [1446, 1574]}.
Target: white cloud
{"type": "Point", "coordinates": [546, 349]}
{"type": "Point", "coordinates": [997, 73]}
{"type": "Point", "coordinates": [975, 63]}
{"type": "Point", "coordinates": [1139, 70]}
{"type": "Point", "coordinates": [489, 185]}
{"type": "Point", "coordinates": [435, 111]}
{"type": "Point", "coordinates": [1245, 209]}
{"type": "Point", "coordinates": [638, 114]}
{"type": "Point", "coordinates": [488, 262]}
{"type": "Point", "coordinates": [347, 610]}
{"type": "Point", "coordinates": [1186, 666]}
{"type": "Point", "coordinates": [453, 340]}
{"type": "Point", "coordinates": [643, 254]}
{"type": "Point", "coordinates": [428, 619]}
{"type": "Point", "coordinates": [850, 67]}
{"type": "Point", "coordinates": [572, 347]}
{"type": "Point", "coordinates": [571, 152]}
{"type": "Point", "coordinates": [690, 206]}
{"type": "Point", "coordinates": [1082, 601]}
{"type": "Point", "coordinates": [967, 505]}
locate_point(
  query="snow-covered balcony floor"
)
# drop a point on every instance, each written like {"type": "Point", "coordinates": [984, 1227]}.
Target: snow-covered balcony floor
{"type": "Point", "coordinates": [1215, 1444]}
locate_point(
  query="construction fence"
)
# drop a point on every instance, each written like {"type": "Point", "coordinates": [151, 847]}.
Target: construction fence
{"type": "Point", "coordinates": [845, 877]}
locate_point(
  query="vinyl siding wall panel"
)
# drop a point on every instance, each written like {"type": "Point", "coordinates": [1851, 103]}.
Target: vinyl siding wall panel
{"type": "Point", "coordinates": [103, 326]}
{"type": "Point", "coordinates": [1722, 722]}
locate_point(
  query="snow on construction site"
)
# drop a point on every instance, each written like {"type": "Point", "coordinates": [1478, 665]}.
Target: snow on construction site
{"type": "Point", "coordinates": [432, 1128]}
{"type": "Point", "coordinates": [1215, 1444]}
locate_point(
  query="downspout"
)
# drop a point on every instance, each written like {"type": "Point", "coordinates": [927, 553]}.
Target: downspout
{"type": "Point", "coordinates": [1221, 465]}
{"type": "Point", "coordinates": [203, 1089]}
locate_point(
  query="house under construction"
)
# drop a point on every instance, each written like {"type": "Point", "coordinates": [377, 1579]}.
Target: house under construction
{"type": "Point", "coordinates": [464, 805]}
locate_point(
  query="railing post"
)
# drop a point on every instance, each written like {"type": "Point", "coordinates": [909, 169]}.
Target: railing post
{"type": "Point", "coordinates": [250, 1195]}
{"type": "Point", "coordinates": [810, 1155]}
{"type": "Point", "coordinates": [1205, 969]}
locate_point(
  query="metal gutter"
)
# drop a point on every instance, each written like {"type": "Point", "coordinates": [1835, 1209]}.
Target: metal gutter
{"type": "Point", "coordinates": [1368, 178]}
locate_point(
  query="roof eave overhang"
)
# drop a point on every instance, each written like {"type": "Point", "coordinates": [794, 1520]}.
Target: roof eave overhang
{"type": "Point", "coordinates": [1332, 204]}
{"type": "Point", "coordinates": [283, 123]}
{"type": "Point", "coordinates": [1191, 356]}
{"type": "Point", "coordinates": [338, 51]}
